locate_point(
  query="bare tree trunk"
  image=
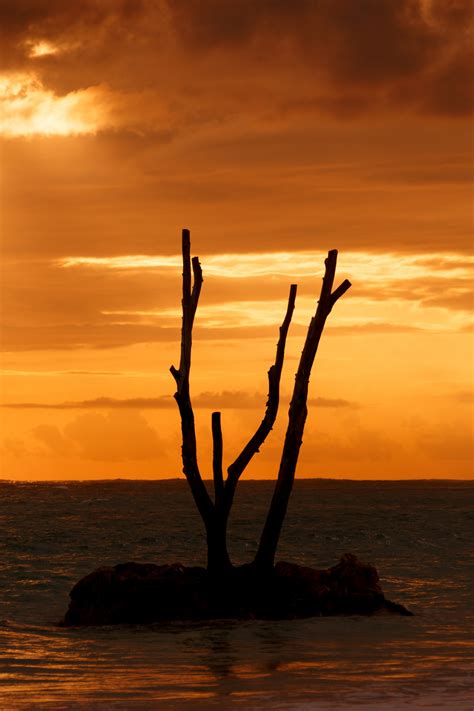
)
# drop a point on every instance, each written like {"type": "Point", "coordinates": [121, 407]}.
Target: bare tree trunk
{"type": "Point", "coordinates": [297, 417]}
{"type": "Point", "coordinates": [218, 560]}
{"type": "Point", "coordinates": [217, 458]}
{"type": "Point", "coordinates": [182, 396]}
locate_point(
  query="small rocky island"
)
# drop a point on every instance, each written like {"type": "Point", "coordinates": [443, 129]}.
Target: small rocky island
{"type": "Point", "coordinates": [137, 593]}
{"type": "Point", "coordinates": [142, 593]}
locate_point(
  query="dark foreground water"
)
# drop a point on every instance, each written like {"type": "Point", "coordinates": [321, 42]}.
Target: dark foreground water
{"type": "Point", "coordinates": [419, 534]}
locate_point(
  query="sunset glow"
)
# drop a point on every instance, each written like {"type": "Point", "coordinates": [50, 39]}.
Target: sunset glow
{"type": "Point", "coordinates": [236, 354]}
{"type": "Point", "coordinates": [274, 136]}
{"type": "Point", "coordinates": [29, 109]}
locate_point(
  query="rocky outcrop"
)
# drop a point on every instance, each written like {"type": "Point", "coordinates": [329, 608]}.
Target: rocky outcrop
{"type": "Point", "coordinates": [137, 593]}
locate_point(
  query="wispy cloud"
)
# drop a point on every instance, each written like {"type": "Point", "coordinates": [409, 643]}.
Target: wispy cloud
{"type": "Point", "coordinates": [111, 302]}
{"type": "Point", "coordinates": [141, 403]}
{"type": "Point", "coordinates": [226, 399]}
{"type": "Point", "coordinates": [378, 268]}
{"type": "Point", "coordinates": [66, 373]}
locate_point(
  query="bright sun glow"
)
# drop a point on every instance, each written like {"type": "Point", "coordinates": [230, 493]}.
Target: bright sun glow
{"type": "Point", "coordinates": [28, 108]}
{"type": "Point", "coordinates": [42, 48]}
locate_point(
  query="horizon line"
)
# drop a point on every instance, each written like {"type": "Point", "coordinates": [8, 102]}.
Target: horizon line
{"type": "Point", "coordinates": [182, 479]}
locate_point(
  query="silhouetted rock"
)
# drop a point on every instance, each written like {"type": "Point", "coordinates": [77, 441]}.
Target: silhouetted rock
{"type": "Point", "coordinates": [138, 593]}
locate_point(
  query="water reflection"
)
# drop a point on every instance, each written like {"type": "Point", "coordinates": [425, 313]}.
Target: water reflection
{"type": "Point", "coordinates": [327, 663]}
{"type": "Point", "coordinates": [220, 661]}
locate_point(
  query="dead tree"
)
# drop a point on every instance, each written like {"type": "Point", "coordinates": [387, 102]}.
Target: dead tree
{"type": "Point", "coordinates": [215, 514]}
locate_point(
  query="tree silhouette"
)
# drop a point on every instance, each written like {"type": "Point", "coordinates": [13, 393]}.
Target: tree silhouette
{"type": "Point", "coordinates": [215, 513]}
{"type": "Point", "coordinates": [137, 593]}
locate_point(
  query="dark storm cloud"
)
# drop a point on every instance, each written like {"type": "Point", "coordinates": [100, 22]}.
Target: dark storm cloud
{"type": "Point", "coordinates": [58, 20]}
{"type": "Point", "coordinates": [450, 90]}
{"type": "Point", "coordinates": [391, 50]}
{"type": "Point", "coordinates": [266, 57]}
{"type": "Point", "coordinates": [452, 13]}
{"type": "Point", "coordinates": [364, 41]}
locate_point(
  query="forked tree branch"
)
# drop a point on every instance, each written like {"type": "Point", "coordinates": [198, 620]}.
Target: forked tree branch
{"type": "Point", "coordinates": [235, 470]}
{"type": "Point", "coordinates": [215, 515]}
{"type": "Point", "coordinates": [189, 450]}
{"type": "Point", "coordinates": [297, 416]}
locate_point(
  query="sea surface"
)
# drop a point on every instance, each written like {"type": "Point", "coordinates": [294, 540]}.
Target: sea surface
{"type": "Point", "coordinates": [419, 534]}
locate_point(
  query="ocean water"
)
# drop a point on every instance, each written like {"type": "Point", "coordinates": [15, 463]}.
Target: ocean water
{"type": "Point", "coordinates": [419, 534]}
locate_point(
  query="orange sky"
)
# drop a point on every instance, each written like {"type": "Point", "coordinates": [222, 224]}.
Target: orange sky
{"type": "Point", "coordinates": [274, 130]}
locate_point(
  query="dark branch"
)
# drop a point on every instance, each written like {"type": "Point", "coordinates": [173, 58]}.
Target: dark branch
{"type": "Point", "coordinates": [297, 416]}
{"type": "Point", "coordinates": [340, 291]}
{"type": "Point", "coordinates": [235, 470]}
{"type": "Point", "coordinates": [197, 273]}
{"type": "Point", "coordinates": [217, 457]}
{"type": "Point", "coordinates": [329, 274]}
{"type": "Point", "coordinates": [181, 376]}
{"type": "Point", "coordinates": [185, 360]}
